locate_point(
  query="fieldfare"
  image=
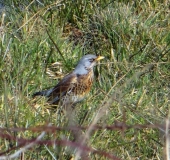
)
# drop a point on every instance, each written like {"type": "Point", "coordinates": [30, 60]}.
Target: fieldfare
{"type": "Point", "coordinates": [74, 86]}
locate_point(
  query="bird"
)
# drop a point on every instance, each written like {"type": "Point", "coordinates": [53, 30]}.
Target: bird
{"type": "Point", "coordinates": [74, 87]}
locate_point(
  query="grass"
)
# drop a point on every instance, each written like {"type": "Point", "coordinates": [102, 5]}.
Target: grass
{"type": "Point", "coordinates": [126, 113]}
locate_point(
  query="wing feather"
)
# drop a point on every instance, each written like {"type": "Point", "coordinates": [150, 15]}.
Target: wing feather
{"type": "Point", "coordinates": [62, 88]}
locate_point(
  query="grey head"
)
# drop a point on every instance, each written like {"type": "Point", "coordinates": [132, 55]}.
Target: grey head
{"type": "Point", "coordinates": [86, 64]}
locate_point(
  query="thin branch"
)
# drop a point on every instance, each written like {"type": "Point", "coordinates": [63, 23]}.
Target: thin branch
{"type": "Point", "coordinates": [23, 149]}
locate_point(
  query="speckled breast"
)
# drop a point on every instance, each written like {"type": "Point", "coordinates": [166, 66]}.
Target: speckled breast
{"type": "Point", "coordinates": [79, 90]}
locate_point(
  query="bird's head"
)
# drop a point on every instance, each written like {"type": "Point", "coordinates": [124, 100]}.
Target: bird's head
{"type": "Point", "coordinates": [87, 63]}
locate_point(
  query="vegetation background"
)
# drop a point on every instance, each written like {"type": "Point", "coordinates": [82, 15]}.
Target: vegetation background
{"type": "Point", "coordinates": [126, 115]}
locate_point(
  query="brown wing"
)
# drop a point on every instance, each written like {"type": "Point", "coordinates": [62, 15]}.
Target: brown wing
{"type": "Point", "coordinates": [62, 87]}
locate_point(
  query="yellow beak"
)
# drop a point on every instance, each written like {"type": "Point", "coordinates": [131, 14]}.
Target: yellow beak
{"type": "Point", "coordinates": [99, 58]}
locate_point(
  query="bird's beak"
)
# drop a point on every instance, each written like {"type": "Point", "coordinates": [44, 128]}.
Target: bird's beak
{"type": "Point", "coordinates": [99, 58]}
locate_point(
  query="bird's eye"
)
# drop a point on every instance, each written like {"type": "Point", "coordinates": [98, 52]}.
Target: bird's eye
{"type": "Point", "coordinates": [91, 60]}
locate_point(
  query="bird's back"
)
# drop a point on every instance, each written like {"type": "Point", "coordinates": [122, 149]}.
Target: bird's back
{"type": "Point", "coordinates": [71, 89]}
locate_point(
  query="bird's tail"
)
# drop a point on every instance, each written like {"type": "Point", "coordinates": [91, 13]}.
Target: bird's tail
{"type": "Point", "coordinates": [45, 93]}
